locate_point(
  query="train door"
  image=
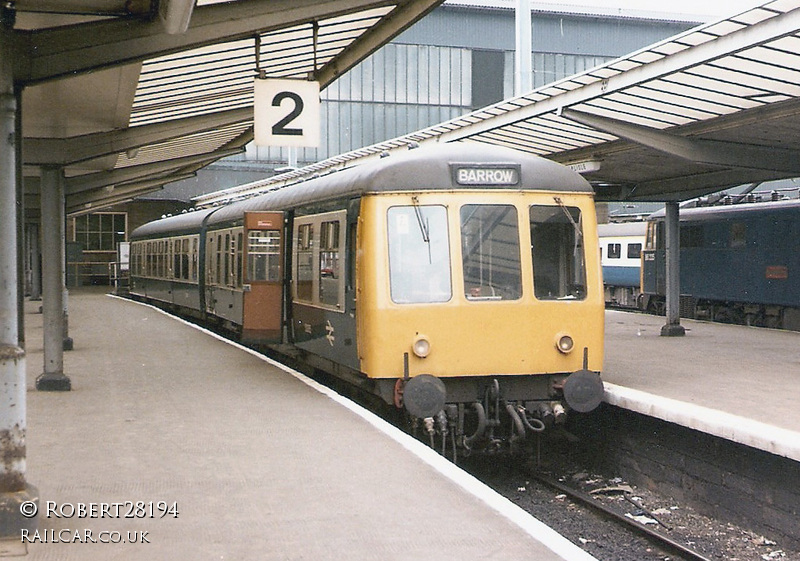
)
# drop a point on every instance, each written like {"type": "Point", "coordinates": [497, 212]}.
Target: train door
{"type": "Point", "coordinates": [262, 319]}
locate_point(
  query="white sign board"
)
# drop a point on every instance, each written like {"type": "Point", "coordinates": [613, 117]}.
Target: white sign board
{"type": "Point", "coordinates": [286, 113]}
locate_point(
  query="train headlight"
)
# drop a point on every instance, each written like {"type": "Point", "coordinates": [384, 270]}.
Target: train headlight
{"type": "Point", "coordinates": [421, 346]}
{"type": "Point", "coordinates": [565, 344]}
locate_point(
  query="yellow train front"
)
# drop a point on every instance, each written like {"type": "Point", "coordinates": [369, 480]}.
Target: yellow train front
{"type": "Point", "coordinates": [460, 283]}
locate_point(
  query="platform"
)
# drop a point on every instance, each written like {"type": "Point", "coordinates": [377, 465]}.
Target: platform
{"type": "Point", "coordinates": [261, 463]}
{"type": "Point", "coordinates": [736, 382]}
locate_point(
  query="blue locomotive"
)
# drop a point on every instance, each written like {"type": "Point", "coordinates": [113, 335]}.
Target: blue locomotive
{"type": "Point", "coordinates": [739, 264]}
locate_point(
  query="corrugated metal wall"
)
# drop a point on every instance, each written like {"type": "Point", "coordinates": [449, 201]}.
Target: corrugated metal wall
{"type": "Point", "coordinates": [399, 89]}
{"type": "Point", "coordinates": [426, 76]}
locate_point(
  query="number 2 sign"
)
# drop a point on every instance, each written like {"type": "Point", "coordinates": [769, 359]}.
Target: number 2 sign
{"type": "Point", "coordinates": [286, 113]}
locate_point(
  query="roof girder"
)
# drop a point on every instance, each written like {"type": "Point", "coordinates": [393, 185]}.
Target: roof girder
{"type": "Point", "coordinates": [76, 149]}
{"type": "Point", "coordinates": [703, 151]}
{"type": "Point", "coordinates": [102, 179]}
{"type": "Point", "coordinates": [52, 53]}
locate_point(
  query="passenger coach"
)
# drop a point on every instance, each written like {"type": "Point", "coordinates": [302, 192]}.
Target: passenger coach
{"type": "Point", "coordinates": [453, 281]}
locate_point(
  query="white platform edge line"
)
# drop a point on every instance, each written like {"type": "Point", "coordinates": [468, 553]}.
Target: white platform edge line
{"type": "Point", "coordinates": [772, 439]}
{"type": "Point", "coordinates": [532, 526]}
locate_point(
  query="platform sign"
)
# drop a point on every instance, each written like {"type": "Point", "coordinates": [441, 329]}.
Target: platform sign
{"type": "Point", "coordinates": [286, 113]}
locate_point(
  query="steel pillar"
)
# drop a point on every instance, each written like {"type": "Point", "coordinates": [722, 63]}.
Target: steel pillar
{"type": "Point", "coordinates": [52, 195]}
{"type": "Point", "coordinates": [523, 65]}
{"type": "Point", "coordinates": [673, 327]}
{"type": "Point", "coordinates": [35, 262]}
{"type": "Point", "coordinates": [14, 490]}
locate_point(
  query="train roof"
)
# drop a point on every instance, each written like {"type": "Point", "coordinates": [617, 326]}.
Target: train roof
{"type": "Point", "coordinates": [730, 211]}
{"type": "Point", "coordinates": [419, 169]}
{"type": "Point", "coordinates": [622, 229]}
{"type": "Point", "coordinates": [188, 222]}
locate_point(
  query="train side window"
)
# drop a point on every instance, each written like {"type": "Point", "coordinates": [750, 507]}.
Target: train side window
{"type": "Point", "coordinates": [634, 250]}
{"type": "Point", "coordinates": [304, 262]}
{"type": "Point", "coordinates": [692, 236]}
{"type": "Point", "coordinates": [330, 277]}
{"type": "Point", "coordinates": [419, 254]}
{"type": "Point", "coordinates": [239, 262]}
{"type": "Point", "coordinates": [220, 250]}
{"type": "Point", "coordinates": [557, 249]}
{"type": "Point", "coordinates": [490, 252]}
{"type": "Point", "coordinates": [176, 259]}
{"type": "Point", "coordinates": [185, 259]}
{"type": "Point", "coordinates": [614, 251]}
{"type": "Point", "coordinates": [263, 255]}
{"type": "Point", "coordinates": [738, 234]}
{"type": "Point", "coordinates": [195, 242]}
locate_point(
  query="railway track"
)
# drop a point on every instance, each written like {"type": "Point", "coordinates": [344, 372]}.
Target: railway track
{"type": "Point", "coordinates": [658, 539]}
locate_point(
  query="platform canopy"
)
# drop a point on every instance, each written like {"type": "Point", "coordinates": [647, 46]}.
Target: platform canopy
{"type": "Point", "coordinates": [715, 106]}
{"type": "Point", "coordinates": [127, 95]}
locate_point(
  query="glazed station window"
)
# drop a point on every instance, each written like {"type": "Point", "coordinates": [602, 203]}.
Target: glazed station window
{"type": "Point", "coordinates": [419, 254]}
{"type": "Point", "coordinates": [101, 231]}
{"type": "Point", "coordinates": [558, 253]}
{"type": "Point", "coordinates": [264, 255]}
{"type": "Point", "coordinates": [490, 251]}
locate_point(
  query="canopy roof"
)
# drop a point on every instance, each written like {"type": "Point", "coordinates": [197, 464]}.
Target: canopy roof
{"type": "Point", "coordinates": [127, 96]}
{"type": "Point", "coordinates": [715, 106]}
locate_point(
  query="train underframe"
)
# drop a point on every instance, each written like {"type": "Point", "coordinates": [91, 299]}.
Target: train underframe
{"type": "Point", "coordinates": [461, 415]}
{"type": "Point", "coordinates": [721, 311]}
{"type": "Point", "coordinates": [740, 313]}
{"type": "Point", "coordinates": [492, 414]}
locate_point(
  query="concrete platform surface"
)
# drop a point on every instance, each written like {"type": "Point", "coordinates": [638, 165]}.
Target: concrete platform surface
{"type": "Point", "coordinates": [739, 383]}
{"type": "Point", "coordinates": [257, 462]}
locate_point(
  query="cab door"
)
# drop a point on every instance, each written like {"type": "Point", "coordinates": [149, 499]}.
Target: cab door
{"type": "Point", "coordinates": [262, 318]}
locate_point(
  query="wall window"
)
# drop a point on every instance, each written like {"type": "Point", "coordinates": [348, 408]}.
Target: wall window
{"type": "Point", "coordinates": [100, 231]}
{"type": "Point", "coordinates": [490, 252]}
{"type": "Point", "coordinates": [263, 255]}
{"type": "Point", "coordinates": [559, 271]}
{"type": "Point", "coordinates": [419, 254]}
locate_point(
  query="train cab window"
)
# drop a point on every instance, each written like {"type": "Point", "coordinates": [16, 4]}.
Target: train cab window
{"type": "Point", "coordinates": [304, 262]}
{"type": "Point", "coordinates": [634, 250]}
{"type": "Point", "coordinates": [263, 255]}
{"type": "Point", "coordinates": [490, 251]}
{"type": "Point", "coordinates": [614, 251]}
{"type": "Point", "coordinates": [557, 249]}
{"type": "Point", "coordinates": [419, 254]}
{"type": "Point", "coordinates": [329, 274]}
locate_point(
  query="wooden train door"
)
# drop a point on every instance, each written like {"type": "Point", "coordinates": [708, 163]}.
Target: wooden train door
{"type": "Point", "coordinates": [262, 317]}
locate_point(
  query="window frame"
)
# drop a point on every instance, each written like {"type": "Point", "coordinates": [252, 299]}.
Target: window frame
{"type": "Point", "coordinates": [307, 240]}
